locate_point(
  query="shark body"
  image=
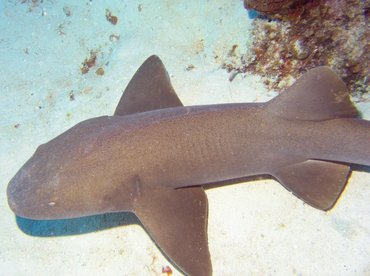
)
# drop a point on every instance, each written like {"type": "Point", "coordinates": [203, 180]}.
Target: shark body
{"type": "Point", "coordinates": [154, 156]}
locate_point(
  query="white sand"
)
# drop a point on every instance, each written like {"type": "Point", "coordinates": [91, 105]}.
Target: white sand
{"type": "Point", "coordinates": [256, 228]}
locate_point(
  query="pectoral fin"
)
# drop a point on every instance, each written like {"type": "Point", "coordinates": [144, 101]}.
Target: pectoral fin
{"type": "Point", "coordinates": [177, 221]}
{"type": "Point", "coordinates": [318, 183]}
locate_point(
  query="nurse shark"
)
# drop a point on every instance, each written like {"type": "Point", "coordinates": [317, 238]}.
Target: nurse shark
{"type": "Point", "coordinates": [154, 156]}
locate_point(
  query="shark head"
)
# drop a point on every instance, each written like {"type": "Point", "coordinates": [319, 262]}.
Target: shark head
{"type": "Point", "coordinates": [31, 192]}
{"type": "Point", "coordinates": [51, 183]}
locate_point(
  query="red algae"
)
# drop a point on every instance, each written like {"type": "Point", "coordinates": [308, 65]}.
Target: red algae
{"type": "Point", "coordinates": [301, 35]}
{"type": "Point", "coordinates": [89, 62]}
{"type": "Point", "coordinates": [111, 18]}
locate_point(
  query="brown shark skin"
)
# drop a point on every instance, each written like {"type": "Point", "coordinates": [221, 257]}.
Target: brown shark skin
{"type": "Point", "coordinates": [116, 163]}
{"type": "Point", "coordinates": [175, 147]}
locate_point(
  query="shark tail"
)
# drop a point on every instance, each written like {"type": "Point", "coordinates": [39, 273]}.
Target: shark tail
{"type": "Point", "coordinates": [319, 95]}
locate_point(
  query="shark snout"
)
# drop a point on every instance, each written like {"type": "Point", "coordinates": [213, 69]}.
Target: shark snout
{"type": "Point", "coordinates": [24, 192]}
{"type": "Point", "coordinates": [19, 191]}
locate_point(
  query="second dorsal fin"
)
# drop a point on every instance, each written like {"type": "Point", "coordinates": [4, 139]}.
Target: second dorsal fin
{"type": "Point", "coordinates": [149, 89]}
{"type": "Point", "coordinates": [318, 95]}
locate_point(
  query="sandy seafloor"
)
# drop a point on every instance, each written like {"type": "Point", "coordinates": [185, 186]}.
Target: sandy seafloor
{"type": "Point", "coordinates": [255, 228]}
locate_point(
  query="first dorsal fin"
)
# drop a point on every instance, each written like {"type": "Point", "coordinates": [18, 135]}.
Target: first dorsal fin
{"type": "Point", "coordinates": [149, 89]}
{"type": "Point", "coordinates": [318, 95]}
